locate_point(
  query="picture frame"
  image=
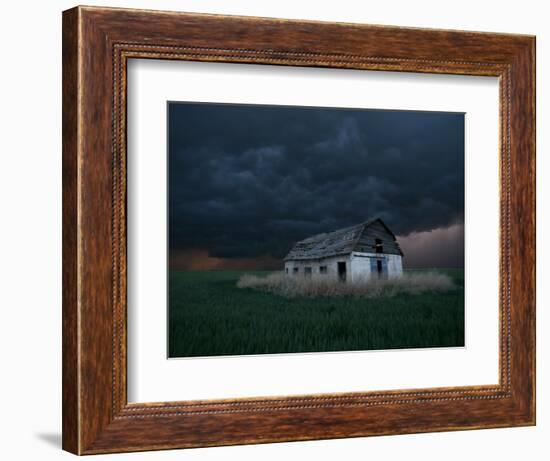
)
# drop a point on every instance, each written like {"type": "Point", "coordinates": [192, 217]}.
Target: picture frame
{"type": "Point", "coordinates": [97, 44]}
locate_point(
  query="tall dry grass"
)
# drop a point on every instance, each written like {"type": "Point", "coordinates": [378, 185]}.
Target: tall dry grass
{"type": "Point", "coordinates": [292, 287]}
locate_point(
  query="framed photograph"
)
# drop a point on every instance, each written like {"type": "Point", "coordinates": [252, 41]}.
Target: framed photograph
{"type": "Point", "coordinates": [281, 230]}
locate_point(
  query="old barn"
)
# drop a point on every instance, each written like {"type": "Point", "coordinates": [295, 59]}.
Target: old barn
{"type": "Point", "coordinates": [355, 253]}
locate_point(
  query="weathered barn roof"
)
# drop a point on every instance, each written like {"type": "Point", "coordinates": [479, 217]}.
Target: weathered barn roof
{"type": "Point", "coordinates": [361, 238]}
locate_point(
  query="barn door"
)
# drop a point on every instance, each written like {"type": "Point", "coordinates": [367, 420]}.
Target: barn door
{"type": "Point", "coordinates": [379, 267]}
{"type": "Point", "coordinates": [342, 271]}
{"type": "Point", "coordinates": [373, 268]}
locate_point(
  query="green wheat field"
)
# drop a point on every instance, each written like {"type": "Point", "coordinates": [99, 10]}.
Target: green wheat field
{"type": "Point", "coordinates": [210, 316]}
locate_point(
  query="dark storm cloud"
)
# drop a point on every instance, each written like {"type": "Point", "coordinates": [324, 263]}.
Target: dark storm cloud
{"type": "Point", "coordinates": [248, 181]}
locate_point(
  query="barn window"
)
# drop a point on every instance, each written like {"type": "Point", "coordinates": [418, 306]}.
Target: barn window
{"type": "Point", "coordinates": [307, 271]}
{"type": "Point", "coordinates": [323, 269]}
{"type": "Point", "coordinates": [295, 270]}
{"type": "Point", "coordinates": [378, 245]}
{"type": "Point", "coordinates": [286, 270]}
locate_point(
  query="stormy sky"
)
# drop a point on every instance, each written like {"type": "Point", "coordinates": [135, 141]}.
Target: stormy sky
{"type": "Point", "coordinates": [247, 181]}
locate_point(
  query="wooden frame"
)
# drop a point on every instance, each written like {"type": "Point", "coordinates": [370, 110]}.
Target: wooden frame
{"type": "Point", "coordinates": [97, 43]}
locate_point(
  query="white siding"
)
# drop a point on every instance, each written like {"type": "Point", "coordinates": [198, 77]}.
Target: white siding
{"type": "Point", "coordinates": [331, 263]}
{"type": "Point", "coordinates": [358, 266]}
{"type": "Point", "coordinates": [395, 265]}
{"type": "Point", "coordinates": [361, 265]}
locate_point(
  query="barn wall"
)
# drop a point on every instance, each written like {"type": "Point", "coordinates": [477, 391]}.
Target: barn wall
{"type": "Point", "coordinates": [361, 265]}
{"type": "Point", "coordinates": [376, 230]}
{"type": "Point", "coordinates": [358, 266]}
{"type": "Point", "coordinates": [395, 265]}
{"type": "Point", "coordinates": [331, 263]}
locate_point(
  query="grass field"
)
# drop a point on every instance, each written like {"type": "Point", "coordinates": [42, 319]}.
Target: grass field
{"type": "Point", "coordinates": [209, 316]}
